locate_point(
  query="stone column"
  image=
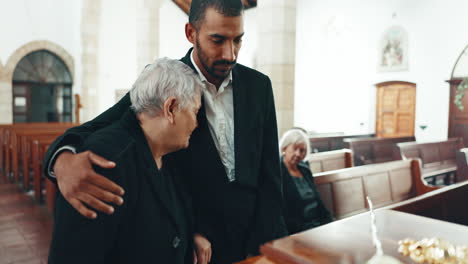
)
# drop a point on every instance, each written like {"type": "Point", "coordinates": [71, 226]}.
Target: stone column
{"type": "Point", "coordinates": [147, 32]}
{"type": "Point", "coordinates": [6, 99]}
{"type": "Point", "coordinates": [90, 27]}
{"type": "Point", "coordinates": [276, 54]}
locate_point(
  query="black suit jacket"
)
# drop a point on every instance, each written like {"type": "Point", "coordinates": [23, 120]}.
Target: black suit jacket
{"type": "Point", "coordinates": [252, 203]}
{"type": "Point", "coordinates": [146, 228]}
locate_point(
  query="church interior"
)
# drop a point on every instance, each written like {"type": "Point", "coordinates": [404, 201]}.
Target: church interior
{"type": "Point", "coordinates": [378, 87]}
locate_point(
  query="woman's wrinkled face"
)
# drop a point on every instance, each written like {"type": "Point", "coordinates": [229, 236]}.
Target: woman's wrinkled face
{"type": "Point", "coordinates": [294, 153]}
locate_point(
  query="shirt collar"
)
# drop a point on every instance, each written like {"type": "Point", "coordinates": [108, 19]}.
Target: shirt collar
{"type": "Point", "coordinates": [226, 81]}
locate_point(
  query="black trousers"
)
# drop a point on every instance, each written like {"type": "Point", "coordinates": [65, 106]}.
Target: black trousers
{"type": "Point", "coordinates": [231, 248]}
{"type": "Point", "coordinates": [232, 227]}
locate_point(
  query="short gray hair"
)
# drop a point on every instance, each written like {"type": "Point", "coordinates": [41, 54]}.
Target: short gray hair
{"type": "Point", "coordinates": [159, 81]}
{"type": "Point", "coordinates": [294, 136]}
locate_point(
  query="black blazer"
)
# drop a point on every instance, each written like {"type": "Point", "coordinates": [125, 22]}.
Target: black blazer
{"type": "Point", "coordinates": [254, 201]}
{"type": "Point", "coordinates": [146, 228]}
{"type": "Point", "coordinates": [294, 205]}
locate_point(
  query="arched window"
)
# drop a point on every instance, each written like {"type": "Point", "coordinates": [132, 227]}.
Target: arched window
{"type": "Point", "coordinates": [42, 89]}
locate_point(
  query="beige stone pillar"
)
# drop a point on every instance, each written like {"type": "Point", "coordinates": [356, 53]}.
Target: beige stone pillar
{"type": "Point", "coordinates": [90, 25]}
{"type": "Point", "coordinates": [6, 110]}
{"type": "Point", "coordinates": [6, 116]}
{"type": "Point", "coordinates": [147, 32]}
{"type": "Point", "coordinates": [276, 54]}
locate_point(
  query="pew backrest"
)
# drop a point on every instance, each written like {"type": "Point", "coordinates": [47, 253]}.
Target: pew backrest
{"type": "Point", "coordinates": [433, 153]}
{"type": "Point", "coordinates": [374, 150]}
{"type": "Point", "coordinates": [330, 160]}
{"type": "Point", "coordinates": [438, 158]}
{"type": "Point", "coordinates": [334, 142]}
{"type": "Point", "coordinates": [344, 191]}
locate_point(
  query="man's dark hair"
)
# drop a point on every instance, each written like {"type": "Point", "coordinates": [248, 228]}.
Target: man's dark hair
{"type": "Point", "coordinates": [198, 9]}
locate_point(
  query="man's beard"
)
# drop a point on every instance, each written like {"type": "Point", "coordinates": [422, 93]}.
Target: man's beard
{"type": "Point", "coordinates": [203, 58]}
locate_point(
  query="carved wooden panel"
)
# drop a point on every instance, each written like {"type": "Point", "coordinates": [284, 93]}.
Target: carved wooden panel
{"type": "Point", "coordinates": [395, 110]}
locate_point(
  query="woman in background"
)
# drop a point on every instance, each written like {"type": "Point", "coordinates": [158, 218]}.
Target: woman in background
{"type": "Point", "coordinates": [303, 207]}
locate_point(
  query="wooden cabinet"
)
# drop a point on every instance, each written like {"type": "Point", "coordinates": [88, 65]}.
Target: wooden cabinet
{"type": "Point", "coordinates": [458, 119]}
{"type": "Point", "coordinates": [395, 109]}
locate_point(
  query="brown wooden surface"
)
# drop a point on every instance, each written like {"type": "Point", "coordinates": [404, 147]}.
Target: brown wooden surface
{"type": "Point", "coordinates": [78, 106]}
{"type": "Point", "coordinates": [13, 137]}
{"type": "Point", "coordinates": [438, 157]}
{"type": "Point", "coordinates": [395, 109]}
{"type": "Point", "coordinates": [349, 240]}
{"type": "Point", "coordinates": [38, 151]}
{"type": "Point", "coordinates": [256, 260]}
{"type": "Point", "coordinates": [447, 204]}
{"type": "Point", "coordinates": [374, 150]}
{"type": "Point", "coordinates": [462, 164]}
{"type": "Point", "coordinates": [458, 119]}
{"type": "Point", "coordinates": [330, 160]}
{"type": "Point", "coordinates": [26, 155]}
{"type": "Point", "coordinates": [321, 143]}
{"type": "Point", "coordinates": [344, 191]}
{"type": "Point", "coordinates": [19, 137]}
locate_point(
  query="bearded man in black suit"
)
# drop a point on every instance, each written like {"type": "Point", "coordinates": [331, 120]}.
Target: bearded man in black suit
{"type": "Point", "coordinates": [231, 167]}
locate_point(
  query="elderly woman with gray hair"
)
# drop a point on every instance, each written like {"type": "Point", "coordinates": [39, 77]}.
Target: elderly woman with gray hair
{"type": "Point", "coordinates": [303, 208]}
{"type": "Point", "coordinates": [154, 223]}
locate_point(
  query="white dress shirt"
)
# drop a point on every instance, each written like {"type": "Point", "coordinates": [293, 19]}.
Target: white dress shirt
{"type": "Point", "coordinates": [219, 106]}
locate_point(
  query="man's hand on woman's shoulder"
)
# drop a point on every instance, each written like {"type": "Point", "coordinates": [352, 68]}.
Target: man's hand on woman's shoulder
{"type": "Point", "coordinates": [80, 184]}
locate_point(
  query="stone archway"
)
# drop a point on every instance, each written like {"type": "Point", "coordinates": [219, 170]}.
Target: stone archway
{"type": "Point", "coordinates": [460, 70]}
{"type": "Point", "coordinates": [6, 74]}
{"type": "Point", "coordinates": [35, 46]}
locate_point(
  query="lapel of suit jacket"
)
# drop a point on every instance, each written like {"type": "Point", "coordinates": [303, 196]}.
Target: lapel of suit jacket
{"type": "Point", "coordinates": [151, 171]}
{"type": "Point", "coordinates": [201, 136]}
{"type": "Point", "coordinates": [241, 111]}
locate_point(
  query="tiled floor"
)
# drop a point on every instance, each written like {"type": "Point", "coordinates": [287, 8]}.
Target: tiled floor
{"type": "Point", "coordinates": [25, 227]}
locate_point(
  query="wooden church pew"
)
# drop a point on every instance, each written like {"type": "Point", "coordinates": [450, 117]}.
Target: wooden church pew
{"type": "Point", "coordinates": [5, 130]}
{"type": "Point", "coordinates": [438, 158]}
{"type": "Point", "coordinates": [374, 150]}
{"type": "Point", "coordinates": [437, 214]}
{"type": "Point", "coordinates": [14, 138]}
{"type": "Point", "coordinates": [446, 204]}
{"type": "Point", "coordinates": [344, 191]}
{"type": "Point", "coordinates": [330, 160]}
{"type": "Point", "coordinates": [27, 157]}
{"type": "Point", "coordinates": [320, 143]}
{"type": "Point", "coordinates": [40, 183]}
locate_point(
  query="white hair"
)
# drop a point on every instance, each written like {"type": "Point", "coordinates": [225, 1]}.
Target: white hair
{"type": "Point", "coordinates": [294, 136]}
{"type": "Point", "coordinates": [159, 81]}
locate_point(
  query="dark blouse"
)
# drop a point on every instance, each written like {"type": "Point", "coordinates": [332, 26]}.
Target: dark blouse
{"type": "Point", "coordinates": [303, 208]}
